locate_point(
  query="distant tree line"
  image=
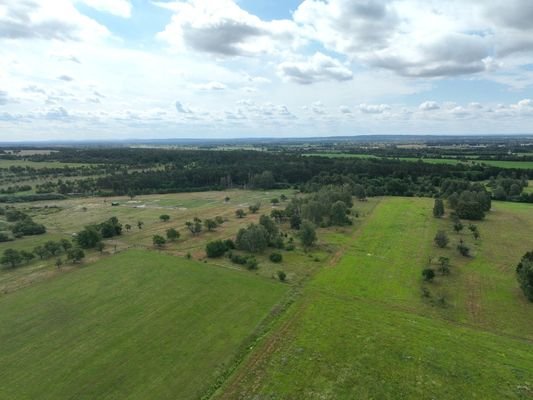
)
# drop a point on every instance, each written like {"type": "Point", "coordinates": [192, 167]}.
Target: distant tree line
{"type": "Point", "coordinates": [146, 171]}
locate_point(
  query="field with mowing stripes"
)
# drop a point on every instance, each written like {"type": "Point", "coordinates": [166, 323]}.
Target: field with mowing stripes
{"type": "Point", "coordinates": [137, 325]}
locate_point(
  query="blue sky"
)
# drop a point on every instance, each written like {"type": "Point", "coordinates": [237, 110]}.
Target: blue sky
{"type": "Point", "coordinates": [95, 69]}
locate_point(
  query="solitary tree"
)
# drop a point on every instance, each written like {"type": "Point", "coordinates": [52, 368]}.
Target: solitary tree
{"type": "Point", "coordinates": [441, 239]}
{"type": "Point", "coordinates": [458, 226]}
{"type": "Point", "coordinates": [475, 231]}
{"type": "Point", "coordinates": [524, 271]}
{"type": "Point", "coordinates": [463, 249]}
{"type": "Point", "coordinates": [128, 227]}
{"type": "Point", "coordinates": [140, 224]}
{"type": "Point", "coordinates": [172, 234]}
{"type": "Point", "coordinates": [276, 258]}
{"type": "Point", "coordinates": [164, 217]}
{"type": "Point", "coordinates": [210, 224]}
{"type": "Point", "coordinates": [158, 241]}
{"type": "Point", "coordinates": [428, 274]}
{"type": "Point", "coordinates": [195, 226]}
{"type": "Point", "coordinates": [254, 208]}
{"type": "Point", "coordinates": [240, 213]}
{"type": "Point", "coordinates": [438, 208]}
{"type": "Point", "coordinates": [307, 234]}
{"type": "Point", "coordinates": [444, 265]}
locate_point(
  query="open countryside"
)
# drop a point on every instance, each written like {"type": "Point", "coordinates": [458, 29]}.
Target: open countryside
{"type": "Point", "coordinates": [266, 200]}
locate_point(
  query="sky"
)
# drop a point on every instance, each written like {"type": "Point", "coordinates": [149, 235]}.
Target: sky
{"type": "Point", "coordinates": [126, 69]}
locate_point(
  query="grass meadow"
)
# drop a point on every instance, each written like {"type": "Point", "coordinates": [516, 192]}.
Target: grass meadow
{"type": "Point", "coordinates": [138, 325]}
{"type": "Point", "coordinates": [359, 321]}
{"type": "Point", "coordinates": [362, 328]}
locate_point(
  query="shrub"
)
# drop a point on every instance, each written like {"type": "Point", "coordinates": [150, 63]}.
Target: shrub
{"type": "Point", "coordinates": [230, 244]}
{"type": "Point", "coordinates": [282, 276]}
{"type": "Point", "coordinates": [237, 259]}
{"type": "Point", "coordinates": [172, 234]}
{"type": "Point", "coordinates": [276, 257]}
{"type": "Point", "coordinates": [158, 240]}
{"type": "Point", "coordinates": [215, 249]}
{"type": "Point", "coordinates": [27, 227]}
{"type": "Point", "coordinates": [463, 249]}
{"type": "Point", "coordinates": [444, 265]}
{"type": "Point", "coordinates": [428, 274]}
{"type": "Point", "coordinates": [441, 239]}
{"type": "Point", "coordinates": [251, 263]}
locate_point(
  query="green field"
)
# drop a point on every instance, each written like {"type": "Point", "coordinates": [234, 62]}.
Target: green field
{"type": "Point", "coordinates": [138, 325]}
{"type": "Point", "coordinates": [38, 165]}
{"type": "Point", "coordinates": [450, 161]}
{"type": "Point", "coordinates": [363, 330]}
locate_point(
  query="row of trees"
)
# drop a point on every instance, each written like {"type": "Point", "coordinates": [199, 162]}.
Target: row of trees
{"type": "Point", "coordinates": [13, 258]}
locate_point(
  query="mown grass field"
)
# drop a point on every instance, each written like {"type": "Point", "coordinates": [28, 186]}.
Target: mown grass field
{"type": "Point", "coordinates": [363, 330]}
{"type": "Point", "coordinates": [137, 325]}
{"type": "Point", "coordinates": [449, 161]}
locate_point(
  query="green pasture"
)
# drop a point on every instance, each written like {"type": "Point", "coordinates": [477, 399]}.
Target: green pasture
{"type": "Point", "coordinates": [137, 325]}
{"type": "Point", "coordinates": [362, 328]}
